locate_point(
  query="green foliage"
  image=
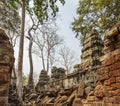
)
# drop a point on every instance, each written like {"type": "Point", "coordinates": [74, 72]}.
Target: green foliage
{"type": "Point", "coordinates": [14, 2]}
{"type": "Point", "coordinates": [25, 80]}
{"type": "Point", "coordinates": [10, 19]}
{"type": "Point", "coordinates": [44, 9]}
{"type": "Point", "coordinates": [96, 14]}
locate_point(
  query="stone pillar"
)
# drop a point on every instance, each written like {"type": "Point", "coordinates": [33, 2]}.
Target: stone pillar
{"type": "Point", "coordinates": [92, 50]}
{"type": "Point", "coordinates": [6, 64]}
{"type": "Point", "coordinates": [90, 63]}
{"type": "Point", "coordinates": [43, 81]}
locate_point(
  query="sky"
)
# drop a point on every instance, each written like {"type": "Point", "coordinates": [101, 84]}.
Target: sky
{"type": "Point", "coordinates": [67, 14]}
{"type": "Point", "coordinates": [65, 17]}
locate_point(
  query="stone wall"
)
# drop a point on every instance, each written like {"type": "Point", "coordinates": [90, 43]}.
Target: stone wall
{"type": "Point", "coordinates": [6, 64]}
{"type": "Point", "coordinates": [90, 63]}
{"type": "Point", "coordinates": [99, 81]}
{"type": "Point", "coordinates": [57, 75]}
{"type": "Point", "coordinates": [87, 70]}
{"type": "Point", "coordinates": [107, 91]}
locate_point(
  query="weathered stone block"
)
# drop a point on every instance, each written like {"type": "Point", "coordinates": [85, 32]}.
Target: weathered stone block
{"type": "Point", "coordinates": [81, 89]}
{"type": "Point", "coordinates": [3, 101]}
{"type": "Point", "coordinates": [108, 100]}
{"type": "Point", "coordinates": [77, 102]}
{"type": "Point", "coordinates": [99, 91]}
{"type": "Point", "coordinates": [71, 98]}
{"type": "Point", "coordinates": [103, 77]}
{"type": "Point", "coordinates": [101, 71]}
{"type": "Point", "coordinates": [116, 85]}
{"type": "Point", "coordinates": [107, 42]}
{"type": "Point", "coordinates": [4, 78]}
{"type": "Point", "coordinates": [109, 60]}
{"type": "Point", "coordinates": [116, 52]}
{"type": "Point", "coordinates": [115, 66]}
{"type": "Point", "coordinates": [112, 33]}
{"type": "Point", "coordinates": [117, 58]}
{"type": "Point", "coordinates": [4, 69]}
{"type": "Point", "coordinates": [110, 104]}
{"type": "Point", "coordinates": [91, 98]}
{"type": "Point", "coordinates": [117, 79]}
{"type": "Point", "coordinates": [115, 92]}
{"type": "Point", "coordinates": [115, 73]}
{"type": "Point", "coordinates": [87, 90]}
{"type": "Point", "coordinates": [112, 67]}
{"type": "Point", "coordinates": [110, 81]}
{"type": "Point", "coordinates": [116, 99]}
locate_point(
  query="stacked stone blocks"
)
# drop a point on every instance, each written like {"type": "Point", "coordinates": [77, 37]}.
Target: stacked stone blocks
{"type": "Point", "coordinates": [107, 91]}
{"type": "Point", "coordinates": [6, 64]}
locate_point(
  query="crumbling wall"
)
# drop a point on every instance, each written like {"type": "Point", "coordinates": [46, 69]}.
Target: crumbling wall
{"type": "Point", "coordinates": [101, 91]}
{"type": "Point", "coordinates": [57, 75]}
{"type": "Point", "coordinates": [90, 63]}
{"type": "Point", "coordinates": [6, 64]}
{"type": "Point", "coordinates": [107, 91]}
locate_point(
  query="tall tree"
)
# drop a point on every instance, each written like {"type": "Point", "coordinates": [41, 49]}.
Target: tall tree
{"type": "Point", "coordinates": [31, 31]}
{"type": "Point", "coordinates": [20, 57]}
{"type": "Point", "coordinates": [42, 9]}
{"type": "Point", "coordinates": [95, 14]}
{"type": "Point", "coordinates": [67, 58]}
{"type": "Point", "coordinates": [46, 44]}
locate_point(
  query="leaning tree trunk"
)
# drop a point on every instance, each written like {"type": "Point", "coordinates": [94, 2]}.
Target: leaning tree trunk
{"type": "Point", "coordinates": [20, 58]}
{"type": "Point", "coordinates": [30, 80]}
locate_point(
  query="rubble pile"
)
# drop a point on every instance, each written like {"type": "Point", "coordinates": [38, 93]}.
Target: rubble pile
{"type": "Point", "coordinates": [60, 97]}
{"type": "Point", "coordinates": [13, 99]}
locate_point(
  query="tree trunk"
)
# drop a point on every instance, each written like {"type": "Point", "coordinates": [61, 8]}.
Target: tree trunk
{"type": "Point", "coordinates": [20, 58]}
{"type": "Point", "coordinates": [43, 61]}
{"type": "Point", "coordinates": [30, 80]}
{"type": "Point", "coordinates": [48, 58]}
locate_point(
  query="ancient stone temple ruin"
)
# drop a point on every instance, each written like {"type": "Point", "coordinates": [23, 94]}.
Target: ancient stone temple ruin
{"type": "Point", "coordinates": [108, 88]}
{"type": "Point", "coordinates": [97, 77]}
{"type": "Point", "coordinates": [43, 81]}
{"type": "Point", "coordinates": [94, 82]}
{"type": "Point", "coordinates": [57, 74]}
{"type": "Point", "coordinates": [6, 64]}
{"type": "Point", "coordinates": [91, 51]}
{"type": "Point", "coordinates": [90, 63]}
{"type": "Point", "coordinates": [86, 72]}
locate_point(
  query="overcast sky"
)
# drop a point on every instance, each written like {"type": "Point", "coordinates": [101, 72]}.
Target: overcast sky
{"type": "Point", "coordinates": [66, 15]}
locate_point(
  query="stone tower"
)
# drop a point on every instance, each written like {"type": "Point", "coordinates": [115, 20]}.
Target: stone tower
{"type": "Point", "coordinates": [6, 65]}
{"type": "Point", "coordinates": [56, 75]}
{"type": "Point", "coordinates": [43, 80]}
{"type": "Point", "coordinates": [91, 51]}
{"type": "Point", "coordinates": [90, 63]}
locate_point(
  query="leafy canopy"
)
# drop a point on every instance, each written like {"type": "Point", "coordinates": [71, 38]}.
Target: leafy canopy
{"type": "Point", "coordinates": [9, 17]}
{"type": "Point", "coordinates": [95, 14]}
{"type": "Point", "coordinates": [42, 9]}
{"type": "Point", "coordinates": [10, 20]}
